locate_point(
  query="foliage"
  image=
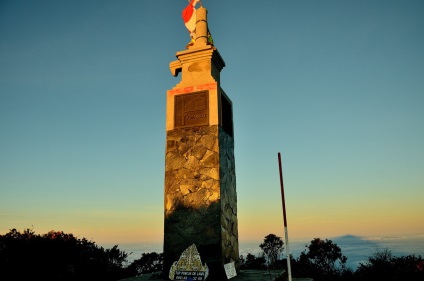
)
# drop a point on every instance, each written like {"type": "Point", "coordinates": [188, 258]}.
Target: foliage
{"type": "Point", "coordinates": [60, 256]}
{"type": "Point", "coordinates": [147, 263]}
{"type": "Point", "coordinates": [272, 248]}
{"type": "Point", "coordinates": [323, 260]}
{"type": "Point", "coordinates": [384, 266]}
{"type": "Point", "coordinates": [57, 256]}
{"type": "Point", "coordinates": [252, 262]}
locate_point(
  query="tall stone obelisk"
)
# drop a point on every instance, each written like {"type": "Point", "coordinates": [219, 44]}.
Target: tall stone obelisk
{"type": "Point", "coordinates": [200, 181]}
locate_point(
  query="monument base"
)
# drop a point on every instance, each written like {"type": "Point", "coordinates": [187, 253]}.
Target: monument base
{"type": "Point", "coordinates": [200, 197]}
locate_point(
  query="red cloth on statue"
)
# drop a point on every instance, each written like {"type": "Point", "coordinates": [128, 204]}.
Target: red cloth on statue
{"type": "Point", "coordinates": [188, 12]}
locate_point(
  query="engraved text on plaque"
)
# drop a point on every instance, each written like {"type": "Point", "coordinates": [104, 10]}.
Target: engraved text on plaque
{"type": "Point", "coordinates": [192, 110]}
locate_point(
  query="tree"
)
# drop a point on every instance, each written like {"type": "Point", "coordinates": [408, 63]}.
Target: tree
{"type": "Point", "coordinates": [147, 263]}
{"type": "Point", "coordinates": [57, 256]}
{"type": "Point", "coordinates": [253, 262]}
{"type": "Point", "coordinates": [272, 247]}
{"type": "Point", "coordinates": [384, 266]}
{"type": "Point", "coordinates": [323, 260]}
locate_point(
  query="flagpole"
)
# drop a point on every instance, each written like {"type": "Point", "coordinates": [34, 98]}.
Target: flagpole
{"type": "Point", "coordinates": [285, 217]}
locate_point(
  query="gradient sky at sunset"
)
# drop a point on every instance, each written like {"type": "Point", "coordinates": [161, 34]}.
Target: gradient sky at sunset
{"type": "Point", "coordinates": [336, 86]}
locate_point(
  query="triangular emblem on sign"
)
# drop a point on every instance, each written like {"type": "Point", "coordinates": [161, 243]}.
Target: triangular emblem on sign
{"type": "Point", "coordinates": [189, 266]}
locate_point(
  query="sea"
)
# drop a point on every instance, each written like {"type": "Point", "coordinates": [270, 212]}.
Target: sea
{"type": "Point", "coordinates": [357, 249]}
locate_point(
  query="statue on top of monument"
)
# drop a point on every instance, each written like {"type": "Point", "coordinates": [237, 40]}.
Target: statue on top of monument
{"type": "Point", "coordinates": [189, 18]}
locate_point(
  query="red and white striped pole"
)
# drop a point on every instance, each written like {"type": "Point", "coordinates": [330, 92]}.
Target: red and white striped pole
{"type": "Point", "coordinates": [285, 217]}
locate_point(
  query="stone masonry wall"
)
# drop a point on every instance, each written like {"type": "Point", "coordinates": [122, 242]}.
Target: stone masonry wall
{"type": "Point", "coordinates": [228, 198]}
{"type": "Point", "coordinates": [200, 196]}
{"type": "Point", "coordinates": [191, 168]}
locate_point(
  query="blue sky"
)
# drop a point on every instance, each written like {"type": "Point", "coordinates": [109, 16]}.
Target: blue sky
{"type": "Point", "coordinates": [336, 86]}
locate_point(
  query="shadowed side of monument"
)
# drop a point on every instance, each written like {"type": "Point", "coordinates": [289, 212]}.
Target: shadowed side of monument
{"type": "Point", "coordinates": [200, 181]}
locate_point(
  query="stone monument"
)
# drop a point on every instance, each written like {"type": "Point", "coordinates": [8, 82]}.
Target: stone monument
{"type": "Point", "coordinates": [200, 181]}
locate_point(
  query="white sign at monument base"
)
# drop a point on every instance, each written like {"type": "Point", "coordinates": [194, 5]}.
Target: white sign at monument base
{"type": "Point", "coordinates": [189, 266]}
{"type": "Point", "coordinates": [230, 270]}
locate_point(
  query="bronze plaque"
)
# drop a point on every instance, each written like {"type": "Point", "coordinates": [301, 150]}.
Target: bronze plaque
{"type": "Point", "coordinates": [191, 110]}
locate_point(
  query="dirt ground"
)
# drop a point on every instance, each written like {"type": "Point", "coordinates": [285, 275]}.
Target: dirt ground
{"type": "Point", "coordinates": [244, 275]}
